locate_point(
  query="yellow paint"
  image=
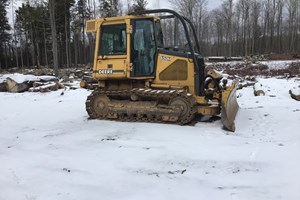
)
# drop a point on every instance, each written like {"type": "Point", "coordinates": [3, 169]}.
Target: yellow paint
{"type": "Point", "coordinates": [163, 64]}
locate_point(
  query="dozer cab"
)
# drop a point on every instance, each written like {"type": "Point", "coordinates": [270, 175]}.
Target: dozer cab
{"type": "Point", "coordinates": [139, 79]}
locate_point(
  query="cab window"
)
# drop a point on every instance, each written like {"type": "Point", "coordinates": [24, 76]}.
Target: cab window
{"type": "Point", "coordinates": [113, 40]}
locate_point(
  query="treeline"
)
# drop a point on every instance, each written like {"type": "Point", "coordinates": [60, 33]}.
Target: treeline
{"type": "Point", "coordinates": [52, 32]}
{"type": "Point", "coordinates": [245, 27]}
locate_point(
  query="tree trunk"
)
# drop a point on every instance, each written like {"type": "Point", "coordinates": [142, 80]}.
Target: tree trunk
{"type": "Point", "coordinates": [26, 49]}
{"type": "Point", "coordinates": [38, 55]}
{"type": "Point", "coordinates": [66, 35]}
{"type": "Point", "coordinates": [54, 37]}
{"type": "Point", "coordinates": [14, 34]}
{"type": "Point", "coordinates": [33, 46]}
{"type": "Point", "coordinates": [45, 45]}
{"type": "Point", "coordinates": [22, 58]}
{"type": "Point", "coordinates": [76, 49]}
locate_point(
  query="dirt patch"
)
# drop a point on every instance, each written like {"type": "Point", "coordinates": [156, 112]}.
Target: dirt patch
{"type": "Point", "coordinates": [276, 56]}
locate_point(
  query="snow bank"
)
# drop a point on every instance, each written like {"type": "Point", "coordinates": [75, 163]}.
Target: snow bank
{"type": "Point", "coordinates": [21, 78]}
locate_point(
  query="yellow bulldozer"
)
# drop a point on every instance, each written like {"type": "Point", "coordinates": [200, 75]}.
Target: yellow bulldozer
{"type": "Point", "coordinates": [140, 79]}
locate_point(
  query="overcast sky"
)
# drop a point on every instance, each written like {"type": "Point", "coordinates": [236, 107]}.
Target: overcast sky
{"type": "Point", "coordinates": [165, 4]}
{"type": "Point", "coordinates": [152, 4]}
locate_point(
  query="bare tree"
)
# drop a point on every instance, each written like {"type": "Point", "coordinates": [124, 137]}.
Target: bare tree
{"type": "Point", "coordinates": [244, 7]}
{"type": "Point", "coordinates": [292, 21]}
{"type": "Point", "coordinates": [200, 17]}
{"type": "Point", "coordinates": [255, 10]}
{"type": "Point", "coordinates": [51, 5]}
{"type": "Point", "coordinates": [227, 9]}
{"type": "Point", "coordinates": [279, 22]}
{"type": "Point", "coordinates": [185, 7]}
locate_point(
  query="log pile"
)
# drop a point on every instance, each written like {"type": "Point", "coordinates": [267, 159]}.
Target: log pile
{"type": "Point", "coordinates": [20, 83]}
{"type": "Point", "coordinates": [3, 87]}
{"type": "Point", "coordinates": [223, 59]}
{"type": "Point", "coordinates": [41, 80]}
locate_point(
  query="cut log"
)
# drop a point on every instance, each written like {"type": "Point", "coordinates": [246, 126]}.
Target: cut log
{"type": "Point", "coordinates": [258, 90]}
{"type": "Point", "coordinates": [295, 93]}
{"type": "Point", "coordinates": [234, 58]}
{"type": "Point", "coordinates": [216, 59]}
{"type": "Point", "coordinates": [71, 86]}
{"type": "Point", "coordinates": [86, 85]}
{"type": "Point", "coordinates": [3, 87]}
{"type": "Point", "coordinates": [88, 82]}
{"type": "Point", "coordinates": [89, 79]}
{"type": "Point", "coordinates": [38, 84]}
{"type": "Point", "coordinates": [83, 84]}
{"type": "Point", "coordinates": [48, 78]}
{"type": "Point", "coordinates": [60, 85]}
{"type": "Point", "coordinates": [13, 86]}
{"type": "Point", "coordinates": [48, 88]}
{"type": "Point", "coordinates": [45, 88]}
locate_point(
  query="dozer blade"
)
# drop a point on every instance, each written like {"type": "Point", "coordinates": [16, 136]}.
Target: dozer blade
{"type": "Point", "coordinates": [229, 107]}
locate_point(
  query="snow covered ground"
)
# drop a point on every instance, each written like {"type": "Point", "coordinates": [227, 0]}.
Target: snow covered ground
{"type": "Point", "coordinates": [278, 64]}
{"type": "Point", "coordinates": [49, 150]}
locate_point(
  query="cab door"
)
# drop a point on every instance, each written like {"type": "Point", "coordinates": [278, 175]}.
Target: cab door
{"type": "Point", "coordinates": [112, 51]}
{"type": "Point", "coordinates": [143, 48]}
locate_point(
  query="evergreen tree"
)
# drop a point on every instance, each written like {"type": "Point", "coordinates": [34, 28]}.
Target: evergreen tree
{"type": "Point", "coordinates": [139, 5]}
{"type": "Point", "coordinates": [51, 5]}
{"type": "Point", "coordinates": [63, 18]}
{"type": "Point", "coordinates": [109, 8]}
{"type": "Point", "coordinates": [4, 28]}
{"type": "Point", "coordinates": [30, 27]}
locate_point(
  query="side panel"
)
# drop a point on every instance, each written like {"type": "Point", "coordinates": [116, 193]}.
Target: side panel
{"type": "Point", "coordinates": [175, 70]}
{"type": "Point", "coordinates": [110, 67]}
